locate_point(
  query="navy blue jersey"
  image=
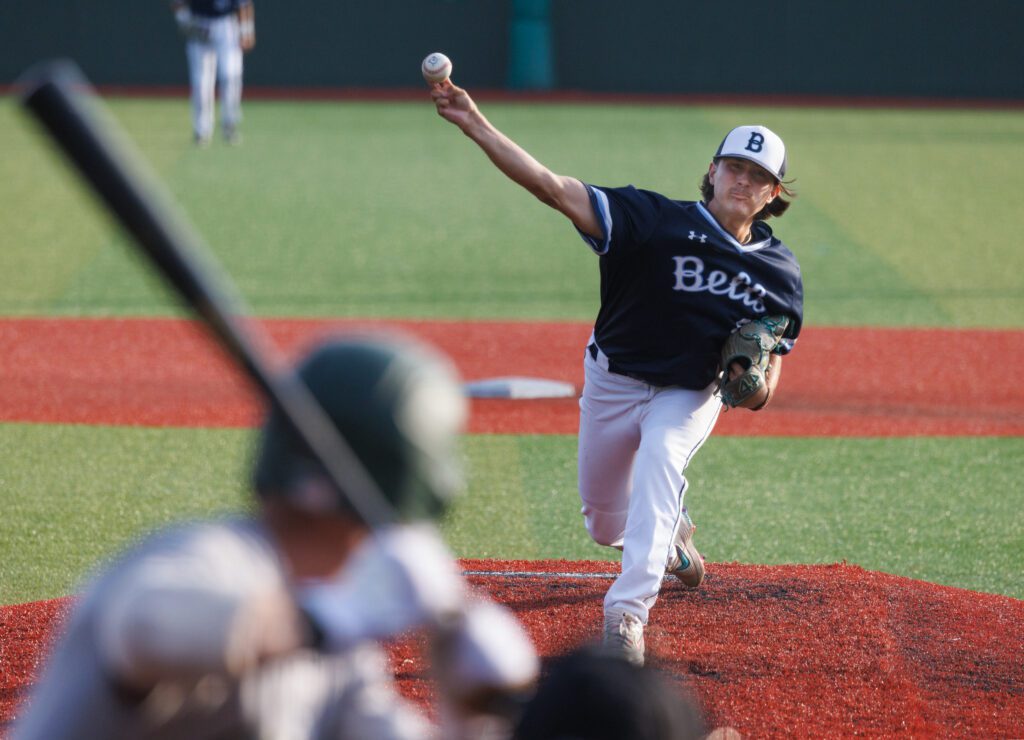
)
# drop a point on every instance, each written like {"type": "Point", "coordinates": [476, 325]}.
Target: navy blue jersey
{"type": "Point", "coordinates": [675, 284]}
{"type": "Point", "coordinates": [215, 8]}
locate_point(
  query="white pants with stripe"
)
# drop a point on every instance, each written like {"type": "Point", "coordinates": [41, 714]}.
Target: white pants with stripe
{"type": "Point", "coordinates": [218, 59]}
{"type": "Point", "coordinates": [635, 443]}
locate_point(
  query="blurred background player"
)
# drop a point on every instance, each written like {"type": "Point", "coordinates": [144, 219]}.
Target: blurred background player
{"type": "Point", "coordinates": [677, 277]}
{"type": "Point", "coordinates": [217, 32]}
{"type": "Point", "coordinates": [265, 626]}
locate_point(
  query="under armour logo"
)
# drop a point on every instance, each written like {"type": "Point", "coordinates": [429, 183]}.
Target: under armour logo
{"type": "Point", "coordinates": [756, 142]}
{"type": "Point", "coordinates": [695, 237]}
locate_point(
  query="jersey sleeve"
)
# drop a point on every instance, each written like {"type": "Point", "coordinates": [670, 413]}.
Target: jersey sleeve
{"type": "Point", "coordinates": [627, 216]}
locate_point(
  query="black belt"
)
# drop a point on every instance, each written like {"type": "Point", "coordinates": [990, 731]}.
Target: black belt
{"type": "Point", "coordinates": [613, 368]}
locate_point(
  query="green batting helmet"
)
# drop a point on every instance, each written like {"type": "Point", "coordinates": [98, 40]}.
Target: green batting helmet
{"type": "Point", "coordinates": [399, 406]}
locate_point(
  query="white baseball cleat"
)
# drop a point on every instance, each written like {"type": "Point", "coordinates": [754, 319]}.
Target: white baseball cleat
{"type": "Point", "coordinates": [685, 563]}
{"type": "Point", "coordinates": [624, 635]}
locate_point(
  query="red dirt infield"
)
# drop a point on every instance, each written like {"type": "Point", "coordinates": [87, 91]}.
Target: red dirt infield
{"type": "Point", "coordinates": [823, 651]}
{"type": "Point", "coordinates": [839, 381]}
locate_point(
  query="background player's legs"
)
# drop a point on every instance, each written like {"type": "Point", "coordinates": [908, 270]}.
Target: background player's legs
{"type": "Point", "coordinates": [202, 69]}
{"type": "Point", "coordinates": [675, 423]}
{"type": "Point", "coordinates": [609, 436]}
{"type": "Point", "coordinates": [229, 73]}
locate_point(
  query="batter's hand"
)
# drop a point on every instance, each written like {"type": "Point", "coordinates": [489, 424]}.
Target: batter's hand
{"type": "Point", "coordinates": [483, 660]}
{"type": "Point", "coordinates": [400, 579]}
{"type": "Point", "coordinates": [453, 103]}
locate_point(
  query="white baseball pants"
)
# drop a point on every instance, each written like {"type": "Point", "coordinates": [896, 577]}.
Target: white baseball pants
{"type": "Point", "coordinates": [218, 59]}
{"type": "Point", "coordinates": [635, 442]}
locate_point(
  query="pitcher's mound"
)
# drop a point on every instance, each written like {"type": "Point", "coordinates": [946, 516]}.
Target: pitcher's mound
{"type": "Point", "coordinates": [769, 651]}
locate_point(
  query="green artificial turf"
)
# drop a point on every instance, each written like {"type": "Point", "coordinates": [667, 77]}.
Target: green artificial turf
{"type": "Point", "coordinates": [382, 209]}
{"type": "Point", "coordinates": [74, 495]}
{"type": "Point", "coordinates": [943, 510]}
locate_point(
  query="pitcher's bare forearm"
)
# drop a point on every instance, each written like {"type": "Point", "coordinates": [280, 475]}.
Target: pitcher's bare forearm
{"type": "Point", "coordinates": [566, 195]}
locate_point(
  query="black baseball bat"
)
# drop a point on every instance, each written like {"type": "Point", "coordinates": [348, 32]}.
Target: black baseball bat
{"type": "Point", "coordinates": [60, 98]}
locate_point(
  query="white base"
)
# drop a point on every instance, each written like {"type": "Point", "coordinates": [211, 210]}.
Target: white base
{"type": "Point", "coordinates": [519, 387]}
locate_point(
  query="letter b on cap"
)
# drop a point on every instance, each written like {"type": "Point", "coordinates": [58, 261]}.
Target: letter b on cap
{"type": "Point", "coordinates": [756, 143]}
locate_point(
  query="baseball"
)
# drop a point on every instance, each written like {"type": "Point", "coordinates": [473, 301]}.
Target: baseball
{"type": "Point", "coordinates": [436, 67]}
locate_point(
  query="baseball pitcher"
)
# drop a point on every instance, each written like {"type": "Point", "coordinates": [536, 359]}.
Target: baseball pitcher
{"type": "Point", "coordinates": [678, 278]}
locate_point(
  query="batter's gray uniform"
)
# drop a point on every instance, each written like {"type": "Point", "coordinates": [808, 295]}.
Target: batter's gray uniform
{"type": "Point", "coordinates": [170, 607]}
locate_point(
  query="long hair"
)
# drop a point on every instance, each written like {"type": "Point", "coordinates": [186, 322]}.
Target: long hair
{"type": "Point", "coordinates": [776, 208]}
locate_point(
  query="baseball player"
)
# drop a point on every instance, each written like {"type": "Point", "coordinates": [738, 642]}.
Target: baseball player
{"type": "Point", "coordinates": [217, 33]}
{"type": "Point", "coordinates": [266, 626]}
{"type": "Point", "coordinates": [677, 278]}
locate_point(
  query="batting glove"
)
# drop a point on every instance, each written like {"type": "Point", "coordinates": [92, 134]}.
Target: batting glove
{"type": "Point", "coordinates": [484, 661]}
{"type": "Point", "coordinates": [400, 579]}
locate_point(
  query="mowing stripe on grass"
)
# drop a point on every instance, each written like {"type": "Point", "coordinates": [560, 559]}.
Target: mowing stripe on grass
{"type": "Point", "coordinates": [946, 510]}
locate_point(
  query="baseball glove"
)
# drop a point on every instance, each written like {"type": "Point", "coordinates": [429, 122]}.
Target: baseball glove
{"type": "Point", "coordinates": [751, 347]}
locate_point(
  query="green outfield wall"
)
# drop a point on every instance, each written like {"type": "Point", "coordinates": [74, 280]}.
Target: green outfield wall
{"type": "Point", "coordinates": [916, 48]}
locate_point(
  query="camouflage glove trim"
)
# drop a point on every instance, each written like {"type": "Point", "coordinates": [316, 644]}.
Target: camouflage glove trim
{"type": "Point", "coordinates": [751, 347]}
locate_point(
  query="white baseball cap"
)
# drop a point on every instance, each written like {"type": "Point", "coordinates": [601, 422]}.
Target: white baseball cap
{"type": "Point", "coordinates": [758, 144]}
